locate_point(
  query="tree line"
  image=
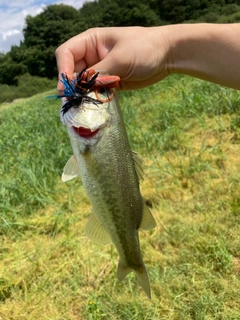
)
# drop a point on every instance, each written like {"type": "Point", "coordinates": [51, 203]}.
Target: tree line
{"type": "Point", "coordinates": [57, 23]}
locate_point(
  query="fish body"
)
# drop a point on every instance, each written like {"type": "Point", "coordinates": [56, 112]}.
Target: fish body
{"type": "Point", "coordinates": [110, 174]}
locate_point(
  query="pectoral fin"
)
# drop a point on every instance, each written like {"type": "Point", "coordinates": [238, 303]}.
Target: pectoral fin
{"type": "Point", "coordinates": [95, 231]}
{"type": "Point", "coordinates": [148, 222]}
{"type": "Point", "coordinates": [71, 169]}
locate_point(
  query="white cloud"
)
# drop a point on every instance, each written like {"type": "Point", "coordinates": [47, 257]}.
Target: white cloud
{"type": "Point", "coordinates": [8, 40]}
{"type": "Point", "coordinates": [13, 14]}
{"type": "Point", "coordinates": [10, 33]}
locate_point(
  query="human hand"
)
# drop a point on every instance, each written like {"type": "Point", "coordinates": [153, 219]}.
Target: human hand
{"type": "Point", "coordinates": [137, 55]}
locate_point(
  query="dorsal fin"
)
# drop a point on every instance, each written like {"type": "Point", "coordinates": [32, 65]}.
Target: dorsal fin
{"type": "Point", "coordinates": [139, 167]}
{"type": "Point", "coordinates": [71, 169]}
{"type": "Point", "coordinates": [95, 231]}
{"type": "Point", "coordinates": [148, 222]}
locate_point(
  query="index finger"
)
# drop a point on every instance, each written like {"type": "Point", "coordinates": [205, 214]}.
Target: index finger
{"type": "Point", "coordinates": [79, 52]}
{"type": "Point", "coordinates": [68, 56]}
{"type": "Point", "coordinates": [65, 60]}
{"type": "Point", "coordinates": [70, 53]}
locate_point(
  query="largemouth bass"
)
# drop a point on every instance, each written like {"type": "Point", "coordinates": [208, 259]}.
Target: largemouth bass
{"type": "Point", "coordinates": [110, 173]}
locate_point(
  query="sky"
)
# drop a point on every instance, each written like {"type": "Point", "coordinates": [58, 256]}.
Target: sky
{"type": "Point", "coordinates": [13, 14]}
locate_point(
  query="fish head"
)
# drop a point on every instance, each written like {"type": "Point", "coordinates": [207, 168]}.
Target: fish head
{"type": "Point", "coordinates": [87, 120]}
{"type": "Point", "coordinates": [89, 115]}
{"type": "Point", "coordinates": [85, 104]}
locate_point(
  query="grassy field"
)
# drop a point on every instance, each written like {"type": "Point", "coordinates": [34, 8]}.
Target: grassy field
{"type": "Point", "coordinates": [188, 133]}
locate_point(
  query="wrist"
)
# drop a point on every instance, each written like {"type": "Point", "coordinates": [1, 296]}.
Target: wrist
{"type": "Point", "coordinates": [205, 51]}
{"type": "Point", "coordinates": [183, 53]}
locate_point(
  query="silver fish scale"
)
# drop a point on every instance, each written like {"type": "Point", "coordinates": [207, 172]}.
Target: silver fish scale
{"type": "Point", "coordinates": [112, 185]}
{"type": "Point", "coordinates": [107, 168]}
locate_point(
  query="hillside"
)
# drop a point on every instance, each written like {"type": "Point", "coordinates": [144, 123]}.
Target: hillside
{"type": "Point", "coordinates": [188, 133]}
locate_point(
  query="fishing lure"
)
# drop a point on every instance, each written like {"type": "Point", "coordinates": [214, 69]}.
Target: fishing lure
{"type": "Point", "coordinates": [76, 91]}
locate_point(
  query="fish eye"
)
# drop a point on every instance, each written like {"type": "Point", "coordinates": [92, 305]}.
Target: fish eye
{"type": "Point", "coordinates": [103, 91]}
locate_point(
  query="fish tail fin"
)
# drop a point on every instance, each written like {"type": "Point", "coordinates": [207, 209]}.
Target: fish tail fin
{"type": "Point", "coordinates": [141, 275]}
{"type": "Point", "coordinates": [142, 278]}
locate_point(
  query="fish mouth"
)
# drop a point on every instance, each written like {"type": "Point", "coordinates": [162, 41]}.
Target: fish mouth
{"type": "Point", "coordinates": [85, 132]}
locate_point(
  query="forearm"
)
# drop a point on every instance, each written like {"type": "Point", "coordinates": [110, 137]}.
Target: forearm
{"type": "Point", "coordinates": [207, 51]}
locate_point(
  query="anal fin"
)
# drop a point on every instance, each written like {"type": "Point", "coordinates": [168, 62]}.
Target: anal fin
{"type": "Point", "coordinates": [95, 231]}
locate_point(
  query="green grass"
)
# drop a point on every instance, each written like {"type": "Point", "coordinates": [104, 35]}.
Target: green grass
{"type": "Point", "coordinates": [188, 133]}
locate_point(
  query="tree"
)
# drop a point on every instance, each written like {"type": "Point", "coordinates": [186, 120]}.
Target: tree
{"type": "Point", "coordinates": [9, 69]}
{"type": "Point", "coordinates": [119, 13]}
{"type": "Point", "coordinates": [43, 33]}
{"type": "Point", "coordinates": [51, 27]}
{"type": "Point", "coordinates": [177, 11]}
